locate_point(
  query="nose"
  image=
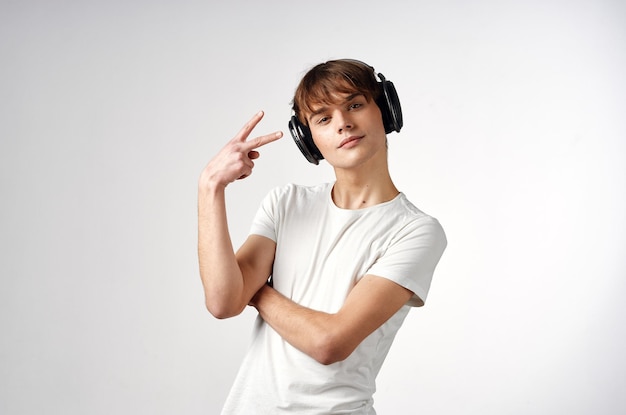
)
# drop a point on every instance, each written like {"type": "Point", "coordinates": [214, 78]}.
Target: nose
{"type": "Point", "coordinates": [343, 121]}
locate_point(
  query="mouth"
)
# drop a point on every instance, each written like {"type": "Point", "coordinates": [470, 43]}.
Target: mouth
{"type": "Point", "coordinates": [346, 142]}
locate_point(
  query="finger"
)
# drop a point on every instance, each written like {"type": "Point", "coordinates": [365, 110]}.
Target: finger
{"type": "Point", "coordinates": [247, 172]}
{"type": "Point", "coordinates": [252, 155]}
{"type": "Point", "coordinates": [264, 139]}
{"type": "Point", "coordinates": [245, 131]}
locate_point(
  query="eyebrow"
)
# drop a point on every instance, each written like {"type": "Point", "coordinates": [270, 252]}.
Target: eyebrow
{"type": "Point", "coordinates": [325, 107]}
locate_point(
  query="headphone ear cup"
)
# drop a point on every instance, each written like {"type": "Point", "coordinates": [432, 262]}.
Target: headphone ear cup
{"type": "Point", "coordinates": [304, 140]}
{"type": "Point", "coordinates": [389, 105]}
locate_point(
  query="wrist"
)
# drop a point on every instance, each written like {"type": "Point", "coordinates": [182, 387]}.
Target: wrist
{"type": "Point", "coordinates": [258, 296]}
{"type": "Point", "coordinates": [209, 186]}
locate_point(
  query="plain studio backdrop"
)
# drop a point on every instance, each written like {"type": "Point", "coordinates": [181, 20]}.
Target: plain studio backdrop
{"type": "Point", "coordinates": [514, 138]}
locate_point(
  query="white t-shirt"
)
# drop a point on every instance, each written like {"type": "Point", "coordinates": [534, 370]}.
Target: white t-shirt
{"type": "Point", "coordinates": [322, 251]}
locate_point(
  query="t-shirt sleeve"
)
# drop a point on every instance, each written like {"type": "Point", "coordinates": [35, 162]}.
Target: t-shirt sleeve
{"type": "Point", "coordinates": [411, 257]}
{"type": "Point", "coordinates": [264, 222]}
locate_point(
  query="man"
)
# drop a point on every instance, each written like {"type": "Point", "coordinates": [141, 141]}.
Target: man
{"type": "Point", "coordinates": [347, 260]}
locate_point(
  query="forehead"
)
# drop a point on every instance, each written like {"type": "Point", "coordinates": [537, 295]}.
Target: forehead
{"type": "Point", "coordinates": [337, 98]}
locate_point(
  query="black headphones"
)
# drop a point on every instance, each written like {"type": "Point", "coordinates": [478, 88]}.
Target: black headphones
{"type": "Point", "coordinates": [388, 103]}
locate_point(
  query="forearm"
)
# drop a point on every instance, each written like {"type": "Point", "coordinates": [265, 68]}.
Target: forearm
{"type": "Point", "coordinates": [221, 276]}
{"type": "Point", "coordinates": [312, 332]}
{"type": "Point", "coordinates": [329, 338]}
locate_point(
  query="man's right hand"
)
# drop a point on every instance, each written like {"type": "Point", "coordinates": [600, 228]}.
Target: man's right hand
{"type": "Point", "coordinates": [235, 160]}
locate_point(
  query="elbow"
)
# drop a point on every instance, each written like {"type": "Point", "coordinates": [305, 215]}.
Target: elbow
{"type": "Point", "coordinates": [331, 349]}
{"type": "Point", "coordinates": [221, 310]}
{"type": "Point", "coordinates": [328, 359]}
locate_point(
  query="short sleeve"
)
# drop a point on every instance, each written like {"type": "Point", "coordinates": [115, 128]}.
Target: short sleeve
{"type": "Point", "coordinates": [411, 257]}
{"type": "Point", "coordinates": [265, 219]}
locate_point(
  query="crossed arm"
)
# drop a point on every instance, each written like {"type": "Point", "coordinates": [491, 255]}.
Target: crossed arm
{"type": "Point", "coordinates": [326, 337]}
{"type": "Point", "coordinates": [331, 337]}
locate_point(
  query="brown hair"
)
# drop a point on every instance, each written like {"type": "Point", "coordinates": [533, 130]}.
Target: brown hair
{"type": "Point", "coordinates": [323, 81]}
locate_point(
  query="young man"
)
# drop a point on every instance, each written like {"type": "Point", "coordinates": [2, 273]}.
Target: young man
{"type": "Point", "coordinates": [347, 260]}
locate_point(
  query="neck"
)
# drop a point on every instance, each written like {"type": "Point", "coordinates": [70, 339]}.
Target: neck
{"type": "Point", "coordinates": [361, 188]}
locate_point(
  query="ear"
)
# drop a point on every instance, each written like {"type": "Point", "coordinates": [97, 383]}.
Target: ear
{"type": "Point", "coordinates": [389, 105]}
{"type": "Point", "coordinates": [304, 140]}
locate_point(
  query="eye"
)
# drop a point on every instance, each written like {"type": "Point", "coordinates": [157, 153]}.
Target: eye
{"type": "Point", "coordinates": [355, 105]}
{"type": "Point", "coordinates": [322, 120]}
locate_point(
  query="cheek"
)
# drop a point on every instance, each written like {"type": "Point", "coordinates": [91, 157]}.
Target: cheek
{"type": "Point", "coordinates": [321, 140]}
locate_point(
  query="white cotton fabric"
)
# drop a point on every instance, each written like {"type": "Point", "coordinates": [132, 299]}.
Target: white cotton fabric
{"type": "Point", "coordinates": [322, 252]}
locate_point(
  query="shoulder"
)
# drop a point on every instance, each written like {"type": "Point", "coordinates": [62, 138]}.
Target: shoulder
{"type": "Point", "coordinates": [417, 222]}
{"type": "Point", "coordinates": [411, 213]}
{"type": "Point", "coordinates": [294, 193]}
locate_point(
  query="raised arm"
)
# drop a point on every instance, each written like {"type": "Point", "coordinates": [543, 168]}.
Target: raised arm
{"type": "Point", "coordinates": [230, 279]}
{"type": "Point", "coordinates": [329, 338]}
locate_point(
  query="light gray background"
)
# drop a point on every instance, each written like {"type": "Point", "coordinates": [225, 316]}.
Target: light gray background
{"type": "Point", "coordinates": [514, 138]}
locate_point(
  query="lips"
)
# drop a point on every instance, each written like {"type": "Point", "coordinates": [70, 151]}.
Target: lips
{"type": "Point", "coordinates": [348, 140]}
